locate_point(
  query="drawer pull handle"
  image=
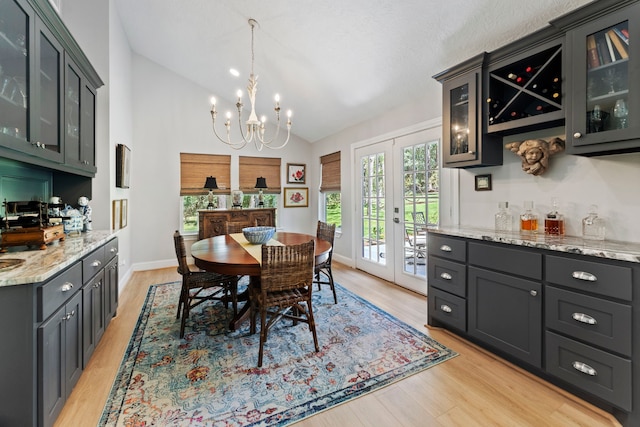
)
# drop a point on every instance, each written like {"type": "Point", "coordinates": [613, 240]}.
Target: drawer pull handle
{"type": "Point", "coordinates": [113, 250]}
{"type": "Point", "coordinates": [66, 286]}
{"type": "Point", "coordinates": [446, 276]}
{"type": "Point", "coordinates": [584, 318]}
{"type": "Point", "coordinates": [96, 263]}
{"type": "Point", "coordinates": [445, 248]}
{"type": "Point", "coordinates": [583, 275]}
{"type": "Point", "coordinates": [69, 315]}
{"type": "Point", "coordinates": [584, 368]}
{"type": "Point", "coordinates": [446, 308]}
{"type": "Point", "coordinates": [533, 292]}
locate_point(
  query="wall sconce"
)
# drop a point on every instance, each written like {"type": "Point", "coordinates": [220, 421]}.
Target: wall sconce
{"type": "Point", "coordinates": [211, 184]}
{"type": "Point", "coordinates": [261, 183]}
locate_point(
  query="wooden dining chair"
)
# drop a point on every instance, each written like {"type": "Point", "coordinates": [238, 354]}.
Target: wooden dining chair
{"type": "Point", "coordinates": [325, 232]}
{"type": "Point", "coordinates": [285, 288]}
{"type": "Point", "coordinates": [201, 286]}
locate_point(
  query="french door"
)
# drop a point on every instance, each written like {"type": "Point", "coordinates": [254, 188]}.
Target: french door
{"type": "Point", "coordinates": [398, 199]}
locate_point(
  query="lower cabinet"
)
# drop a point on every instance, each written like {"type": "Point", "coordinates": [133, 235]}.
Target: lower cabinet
{"type": "Point", "coordinates": [51, 329]}
{"type": "Point", "coordinates": [570, 318]}
{"type": "Point", "coordinates": [59, 358]}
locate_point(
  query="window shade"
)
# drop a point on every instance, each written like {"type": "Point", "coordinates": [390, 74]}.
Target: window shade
{"type": "Point", "coordinates": [195, 168]}
{"type": "Point", "coordinates": [251, 168]}
{"type": "Point", "coordinates": [330, 172]}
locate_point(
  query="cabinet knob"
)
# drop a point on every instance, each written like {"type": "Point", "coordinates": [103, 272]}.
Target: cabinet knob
{"type": "Point", "coordinates": [113, 250]}
{"type": "Point", "coordinates": [533, 292]}
{"type": "Point", "coordinates": [66, 286]}
{"type": "Point", "coordinates": [584, 318]}
{"type": "Point", "coordinates": [584, 368]}
{"type": "Point", "coordinates": [446, 276]}
{"type": "Point", "coordinates": [577, 135]}
{"type": "Point", "coordinates": [446, 308]}
{"type": "Point", "coordinates": [445, 248]}
{"type": "Point", "coordinates": [96, 263]}
{"type": "Point", "coordinates": [583, 275]}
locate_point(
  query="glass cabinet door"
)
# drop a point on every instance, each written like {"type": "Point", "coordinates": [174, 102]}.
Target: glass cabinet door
{"type": "Point", "coordinates": [87, 128]}
{"type": "Point", "coordinates": [14, 73]}
{"type": "Point", "coordinates": [72, 114]}
{"type": "Point", "coordinates": [47, 110]}
{"type": "Point", "coordinates": [605, 114]}
{"type": "Point", "coordinates": [460, 103]}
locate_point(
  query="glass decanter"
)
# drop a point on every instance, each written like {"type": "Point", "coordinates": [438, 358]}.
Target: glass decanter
{"type": "Point", "coordinates": [503, 218]}
{"type": "Point", "coordinates": [529, 219]}
{"type": "Point", "coordinates": [554, 221]}
{"type": "Point", "coordinates": [593, 226]}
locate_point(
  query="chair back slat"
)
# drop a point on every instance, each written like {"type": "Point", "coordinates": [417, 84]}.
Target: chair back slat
{"type": "Point", "coordinates": [181, 253]}
{"type": "Point", "coordinates": [287, 267]}
{"type": "Point", "coordinates": [326, 232]}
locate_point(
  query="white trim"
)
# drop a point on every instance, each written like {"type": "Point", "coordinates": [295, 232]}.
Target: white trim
{"type": "Point", "coordinates": [57, 5]}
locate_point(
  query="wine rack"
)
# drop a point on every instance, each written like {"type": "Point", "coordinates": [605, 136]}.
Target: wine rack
{"type": "Point", "coordinates": [525, 94]}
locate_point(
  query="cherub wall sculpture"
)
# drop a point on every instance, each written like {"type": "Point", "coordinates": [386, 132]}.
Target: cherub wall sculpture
{"type": "Point", "coordinates": [535, 153]}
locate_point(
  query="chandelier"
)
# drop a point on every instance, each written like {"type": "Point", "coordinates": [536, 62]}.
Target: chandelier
{"type": "Point", "coordinates": [255, 129]}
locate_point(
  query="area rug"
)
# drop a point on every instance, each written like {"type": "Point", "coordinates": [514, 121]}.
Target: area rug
{"type": "Point", "coordinates": [211, 378]}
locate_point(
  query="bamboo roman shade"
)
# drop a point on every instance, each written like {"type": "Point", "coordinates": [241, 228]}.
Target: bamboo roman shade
{"type": "Point", "coordinates": [330, 172]}
{"type": "Point", "coordinates": [251, 168]}
{"type": "Point", "coordinates": [195, 168]}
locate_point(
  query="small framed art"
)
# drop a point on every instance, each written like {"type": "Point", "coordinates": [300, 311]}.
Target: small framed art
{"type": "Point", "coordinates": [116, 214]}
{"type": "Point", "coordinates": [124, 209]}
{"type": "Point", "coordinates": [296, 197]}
{"type": "Point", "coordinates": [296, 174]}
{"type": "Point", "coordinates": [123, 166]}
{"type": "Point", "coordinates": [483, 182]}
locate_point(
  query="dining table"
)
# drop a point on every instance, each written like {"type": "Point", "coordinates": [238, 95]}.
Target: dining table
{"type": "Point", "coordinates": [232, 254]}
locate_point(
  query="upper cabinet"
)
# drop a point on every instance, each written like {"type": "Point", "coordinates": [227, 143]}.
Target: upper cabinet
{"type": "Point", "coordinates": [47, 102]}
{"type": "Point", "coordinates": [465, 143]}
{"type": "Point", "coordinates": [604, 89]}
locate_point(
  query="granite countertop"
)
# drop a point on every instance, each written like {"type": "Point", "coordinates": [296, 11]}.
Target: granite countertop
{"type": "Point", "coordinates": [622, 251]}
{"type": "Point", "coordinates": [39, 265]}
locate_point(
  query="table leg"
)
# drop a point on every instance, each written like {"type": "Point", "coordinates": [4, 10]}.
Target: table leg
{"type": "Point", "coordinates": [245, 311]}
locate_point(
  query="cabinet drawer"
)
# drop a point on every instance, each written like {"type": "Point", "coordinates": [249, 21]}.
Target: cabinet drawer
{"type": "Point", "coordinates": [506, 259]}
{"type": "Point", "coordinates": [92, 264]}
{"type": "Point", "coordinates": [600, 322]}
{"type": "Point", "coordinates": [110, 250]}
{"type": "Point", "coordinates": [448, 275]}
{"type": "Point", "coordinates": [595, 371]}
{"type": "Point", "coordinates": [53, 294]}
{"type": "Point", "coordinates": [447, 247]}
{"type": "Point", "coordinates": [596, 277]}
{"type": "Point", "coordinates": [448, 309]}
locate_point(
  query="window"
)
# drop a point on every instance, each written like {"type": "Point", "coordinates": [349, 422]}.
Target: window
{"type": "Point", "coordinates": [251, 168]}
{"type": "Point", "coordinates": [330, 189]}
{"type": "Point", "coordinates": [194, 170]}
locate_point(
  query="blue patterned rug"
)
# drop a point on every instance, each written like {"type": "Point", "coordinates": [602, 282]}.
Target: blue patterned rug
{"type": "Point", "coordinates": [210, 377]}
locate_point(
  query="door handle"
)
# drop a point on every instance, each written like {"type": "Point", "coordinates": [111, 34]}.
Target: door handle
{"type": "Point", "coordinates": [396, 220]}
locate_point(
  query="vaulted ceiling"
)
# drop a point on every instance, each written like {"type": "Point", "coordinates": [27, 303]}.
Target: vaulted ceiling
{"type": "Point", "coordinates": [335, 63]}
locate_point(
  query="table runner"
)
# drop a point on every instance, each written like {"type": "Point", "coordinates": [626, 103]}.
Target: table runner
{"type": "Point", "coordinates": [254, 250]}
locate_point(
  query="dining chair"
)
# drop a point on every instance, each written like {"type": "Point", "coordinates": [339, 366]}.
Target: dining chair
{"type": "Point", "coordinates": [201, 286]}
{"type": "Point", "coordinates": [284, 291]}
{"type": "Point", "coordinates": [325, 232]}
{"type": "Point", "coordinates": [417, 242]}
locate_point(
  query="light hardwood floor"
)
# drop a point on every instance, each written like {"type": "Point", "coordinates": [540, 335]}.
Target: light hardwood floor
{"type": "Point", "coordinates": [474, 389]}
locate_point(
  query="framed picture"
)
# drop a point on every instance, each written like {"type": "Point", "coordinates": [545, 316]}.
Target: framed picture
{"type": "Point", "coordinates": [483, 182]}
{"type": "Point", "coordinates": [115, 214]}
{"type": "Point", "coordinates": [296, 197]}
{"type": "Point", "coordinates": [123, 166]}
{"type": "Point", "coordinates": [124, 209]}
{"type": "Point", "coordinates": [296, 174]}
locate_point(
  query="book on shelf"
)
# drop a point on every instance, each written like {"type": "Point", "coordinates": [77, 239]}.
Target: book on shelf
{"type": "Point", "coordinates": [592, 52]}
{"type": "Point", "coordinates": [624, 37]}
{"type": "Point", "coordinates": [612, 52]}
{"type": "Point", "coordinates": [618, 43]}
{"type": "Point", "coordinates": [603, 51]}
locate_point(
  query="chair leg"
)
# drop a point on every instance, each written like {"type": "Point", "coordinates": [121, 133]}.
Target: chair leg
{"type": "Point", "coordinates": [312, 325]}
{"type": "Point", "coordinates": [185, 313]}
{"type": "Point", "coordinates": [333, 288]}
{"type": "Point", "coordinates": [263, 333]}
{"type": "Point", "coordinates": [181, 300]}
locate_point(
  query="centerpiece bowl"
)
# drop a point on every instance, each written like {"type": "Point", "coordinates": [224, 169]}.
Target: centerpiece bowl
{"type": "Point", "coordinates": [258, 235]}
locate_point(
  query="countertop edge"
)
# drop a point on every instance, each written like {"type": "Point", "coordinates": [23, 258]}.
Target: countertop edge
{"type": "Point", "coordinates": [614, 250]}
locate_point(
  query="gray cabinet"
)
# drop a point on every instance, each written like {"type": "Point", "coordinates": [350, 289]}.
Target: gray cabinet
{"type": "Point", "coordinates": [465, 142]}
{"type": "Point", "coordinates": [51, 328]}
{"type": "Point", "coordinates": [570, 318]}
{"type": "Point", "coordinates": [603, 81]}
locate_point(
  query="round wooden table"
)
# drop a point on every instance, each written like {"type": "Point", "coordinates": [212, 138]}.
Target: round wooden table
{"type": "Point", "coordinates": [223, 254]}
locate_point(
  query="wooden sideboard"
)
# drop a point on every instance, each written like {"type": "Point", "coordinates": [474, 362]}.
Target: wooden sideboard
{"type": "Point", "coordinates": [212, 222]}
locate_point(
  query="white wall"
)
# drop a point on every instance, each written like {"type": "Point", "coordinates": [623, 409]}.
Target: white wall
{"type": "Point", "coordinates": [171, 115]}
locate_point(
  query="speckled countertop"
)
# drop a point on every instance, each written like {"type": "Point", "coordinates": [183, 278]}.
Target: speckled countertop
{"type": "Point", "coordinates": [622, 251]}
{"type": "Point", "coordinates": [40, 265]}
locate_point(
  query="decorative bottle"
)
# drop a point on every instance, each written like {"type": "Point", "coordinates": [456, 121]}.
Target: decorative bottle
{"type": "Point", "coordinates": [503, 217]}
{"type": "Point", "coordinates": [554, 221]}
{"type": "Point", "coordinates": [593, 226]}
{"type": "Point", "coordinates": [529, 219]}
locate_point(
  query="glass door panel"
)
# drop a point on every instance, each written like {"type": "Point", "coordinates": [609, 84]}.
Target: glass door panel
{"type": "Point", "coordinates": [459, 120]}
{"type": "Point", "coordinates": [607, 79]}
{"type": "Point", "coordinates": [14, 73]}
{"type": "Point", "coordinates": [373, 208]}
{"type": "Point", "coordinates": [49, 95]}
{"type": "Point", "coordinates": [87, 127]}
{"type": "Point", "coordinates": [72, 114]}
